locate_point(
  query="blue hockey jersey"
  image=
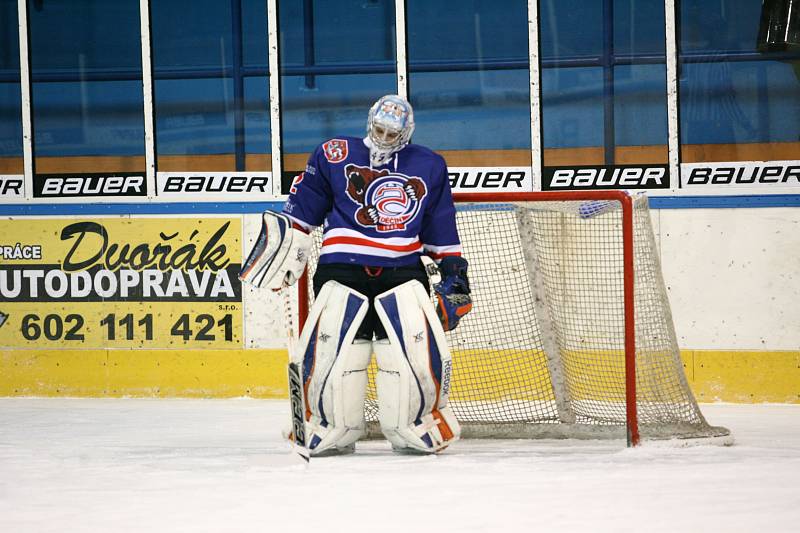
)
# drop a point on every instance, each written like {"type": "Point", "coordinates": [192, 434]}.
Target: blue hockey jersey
{"type": "Point", "coordinates": [384, 216]}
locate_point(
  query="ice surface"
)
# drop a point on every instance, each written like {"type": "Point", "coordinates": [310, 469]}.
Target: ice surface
{"type": "Point", "coordinates": [116, 465]}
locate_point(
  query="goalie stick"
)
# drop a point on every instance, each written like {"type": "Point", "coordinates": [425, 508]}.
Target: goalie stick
{"type": "Point", "coordinates": [298, 422]}
{"type": "Point", "coordinates": [296, 400]}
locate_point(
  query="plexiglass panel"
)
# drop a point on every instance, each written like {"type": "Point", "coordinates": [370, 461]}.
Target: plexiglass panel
{"type": "Point", "coordinates": [337, 58]}
{"type": "Point", "coordinates": [603, 82]}
{"type": "Point", "coordinates": [210, 67]}
{"type": "Point", "coordinates": [87, 86]}
{"type": "Point", "coordinates": [739, 101]}
{"type": "Point", "coordinates": [469, 80]}
{"type": "Point", "coordinates": [10, 105]}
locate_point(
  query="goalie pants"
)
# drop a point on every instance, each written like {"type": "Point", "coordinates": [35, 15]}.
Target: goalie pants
{"type": "Point", "coordinates": [369, 281]}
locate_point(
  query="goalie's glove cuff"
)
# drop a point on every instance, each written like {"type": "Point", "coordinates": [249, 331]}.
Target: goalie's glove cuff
{"type": "Point", "coordinates": [452, 294]}
{"type": "Point", "coordinates": [296, 259]}
{"type": "Point", "coordinates": [451, 307]}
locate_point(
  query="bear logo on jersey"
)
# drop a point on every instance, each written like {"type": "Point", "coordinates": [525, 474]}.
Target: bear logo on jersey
{"type": "Point", "coordinates": [335, 150]}
{"type": "Point", "coordinates": [388, 201]}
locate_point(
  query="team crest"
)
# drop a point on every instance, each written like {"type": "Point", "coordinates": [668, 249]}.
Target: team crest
{"type": "Point", "coordinates": [335, 150]}
{"type": "Point", "coordinates": [388, 201]}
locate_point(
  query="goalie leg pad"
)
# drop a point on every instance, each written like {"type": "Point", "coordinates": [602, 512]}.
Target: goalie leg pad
{"type": "Point", "coordinates": [279, 255]}
{"type": "Point", "coordinates": [414, 368]}
{"type": "Point", "coordinates": [334, 369]}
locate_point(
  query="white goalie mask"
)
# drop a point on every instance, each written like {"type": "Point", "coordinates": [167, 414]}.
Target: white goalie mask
{"type": "Point", "coordinates": [389, 128]}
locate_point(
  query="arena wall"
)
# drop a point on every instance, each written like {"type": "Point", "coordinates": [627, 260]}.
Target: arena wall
{"type": "Point", "coordinates": [730, 274]}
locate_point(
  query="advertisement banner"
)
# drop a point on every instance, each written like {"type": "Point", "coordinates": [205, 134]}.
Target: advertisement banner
{"type": "Point", "coordinates": [120, 283]}
{"type": "Point", "coordinates": [490, 179]}
{"type": "Point", "coordinates": [469, 179]}
{"type": "Point", "coordinates": [756, 177]}
{"type": "Point", "coordinates": [125, 186]}
{"type": "Point", "coordinates": [605, 177]}
{"type": "Point", "coordinates": [214, 186]}
{"type": "Point", "coordinates": [12, 188]}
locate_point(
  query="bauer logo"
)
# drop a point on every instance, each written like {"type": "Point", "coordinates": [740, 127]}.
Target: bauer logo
{"type": "Point", "coordinates": [741, 174]}
{"type": "Point", "coordinates": [490, 179]}
{"type": "Point", "coordinates": [605, 177]}
{"type": "Point", "coordinates": [11, 187]}
{"type": "Point", "coordinates": [3, 318]}
{"type": "Point", "coordinates": [214, 185]}
{"type": "Point", "coordinates": [82, 185]}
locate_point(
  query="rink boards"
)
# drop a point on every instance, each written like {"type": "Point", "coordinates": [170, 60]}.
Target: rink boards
{"type": "Point", "coordinates": [746, 377]}
{"type": "Point", "coordinates": [150, 306]}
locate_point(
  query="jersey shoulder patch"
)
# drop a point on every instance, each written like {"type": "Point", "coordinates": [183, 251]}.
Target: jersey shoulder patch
{"type": "Point", "coordinates": [335, 150]}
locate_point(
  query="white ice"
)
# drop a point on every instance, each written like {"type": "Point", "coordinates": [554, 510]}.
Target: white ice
{"type": "Point", "coordinates": [220, 465]}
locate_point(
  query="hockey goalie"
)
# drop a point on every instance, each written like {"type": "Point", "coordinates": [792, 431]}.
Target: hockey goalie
{"type": "Point", "coordinates": [383, 204]}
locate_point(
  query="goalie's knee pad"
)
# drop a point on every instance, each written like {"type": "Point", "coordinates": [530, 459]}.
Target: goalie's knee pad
{"type": "Point", "coordinates": [414, 367]}
{"type": "Point", "coordinates": [334, 369]}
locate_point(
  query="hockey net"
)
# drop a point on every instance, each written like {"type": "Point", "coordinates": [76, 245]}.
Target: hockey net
{"type": "Point", "coordinates": [569, 305]}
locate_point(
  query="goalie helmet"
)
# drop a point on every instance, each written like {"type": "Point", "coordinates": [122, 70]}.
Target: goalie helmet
{"type": "Point", "coordinates": [389, 127]}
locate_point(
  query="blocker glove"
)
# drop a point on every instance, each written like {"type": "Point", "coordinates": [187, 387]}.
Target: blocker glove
{"type": "Point", "coordinates": [452, 293]}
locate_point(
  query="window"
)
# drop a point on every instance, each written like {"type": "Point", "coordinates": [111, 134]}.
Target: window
{"type": "Point", "coordinates": [469, 80]}
{"type": "Point", "coordinates": [211, 88]}
{"type": "Point", "coordinates": [87, 86]}
{"type": "Point", "coordinates": [337, 58]}
{"type": "Point", "coordinates": [10, 105]}
{"type": "Point", "coordinates": [737, 103]}
{"type": "Point", "coordinates": [603, 82]}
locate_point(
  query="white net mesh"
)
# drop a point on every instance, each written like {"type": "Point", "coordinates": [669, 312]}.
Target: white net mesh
{"type": "Point", "coordinates": [542, 353]}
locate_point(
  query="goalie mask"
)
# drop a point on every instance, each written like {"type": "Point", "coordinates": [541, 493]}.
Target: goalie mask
{"type": "Point", "coordinates": [389, 128]}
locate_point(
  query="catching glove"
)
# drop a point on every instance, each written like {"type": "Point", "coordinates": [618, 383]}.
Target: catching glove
{"type": "Point", "coordinates": [452, 293]}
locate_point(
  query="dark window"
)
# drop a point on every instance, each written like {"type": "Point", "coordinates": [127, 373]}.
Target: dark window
{"type": "Point", "coordinates": [10, 102]}
{"type": "Point", "coordinates": [469, 80]}
{"type": "Point", "coordinates": [87, 86]}
{"type": "Point", "coordinates": [337, 58]}
{"type": "Point", "coordinates": [211, 86]}
{"type": "Point", "coordinates": [603, 82]}
{"type": "Point", "coordinates": [738, 103]}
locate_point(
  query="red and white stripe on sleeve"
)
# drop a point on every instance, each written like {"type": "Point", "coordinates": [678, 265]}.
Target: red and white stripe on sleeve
{"type": "Point", "coordinates": [439, 252]}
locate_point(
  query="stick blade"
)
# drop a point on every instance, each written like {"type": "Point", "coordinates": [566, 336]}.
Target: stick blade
{"type": "Point", "coordinates": [298, 411]}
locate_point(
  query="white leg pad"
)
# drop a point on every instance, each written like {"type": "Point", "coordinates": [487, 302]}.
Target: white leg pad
{"type": "Point", "coordinates": [414, 367]}
{"type": "Point", "coordinates": [334, 369]}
